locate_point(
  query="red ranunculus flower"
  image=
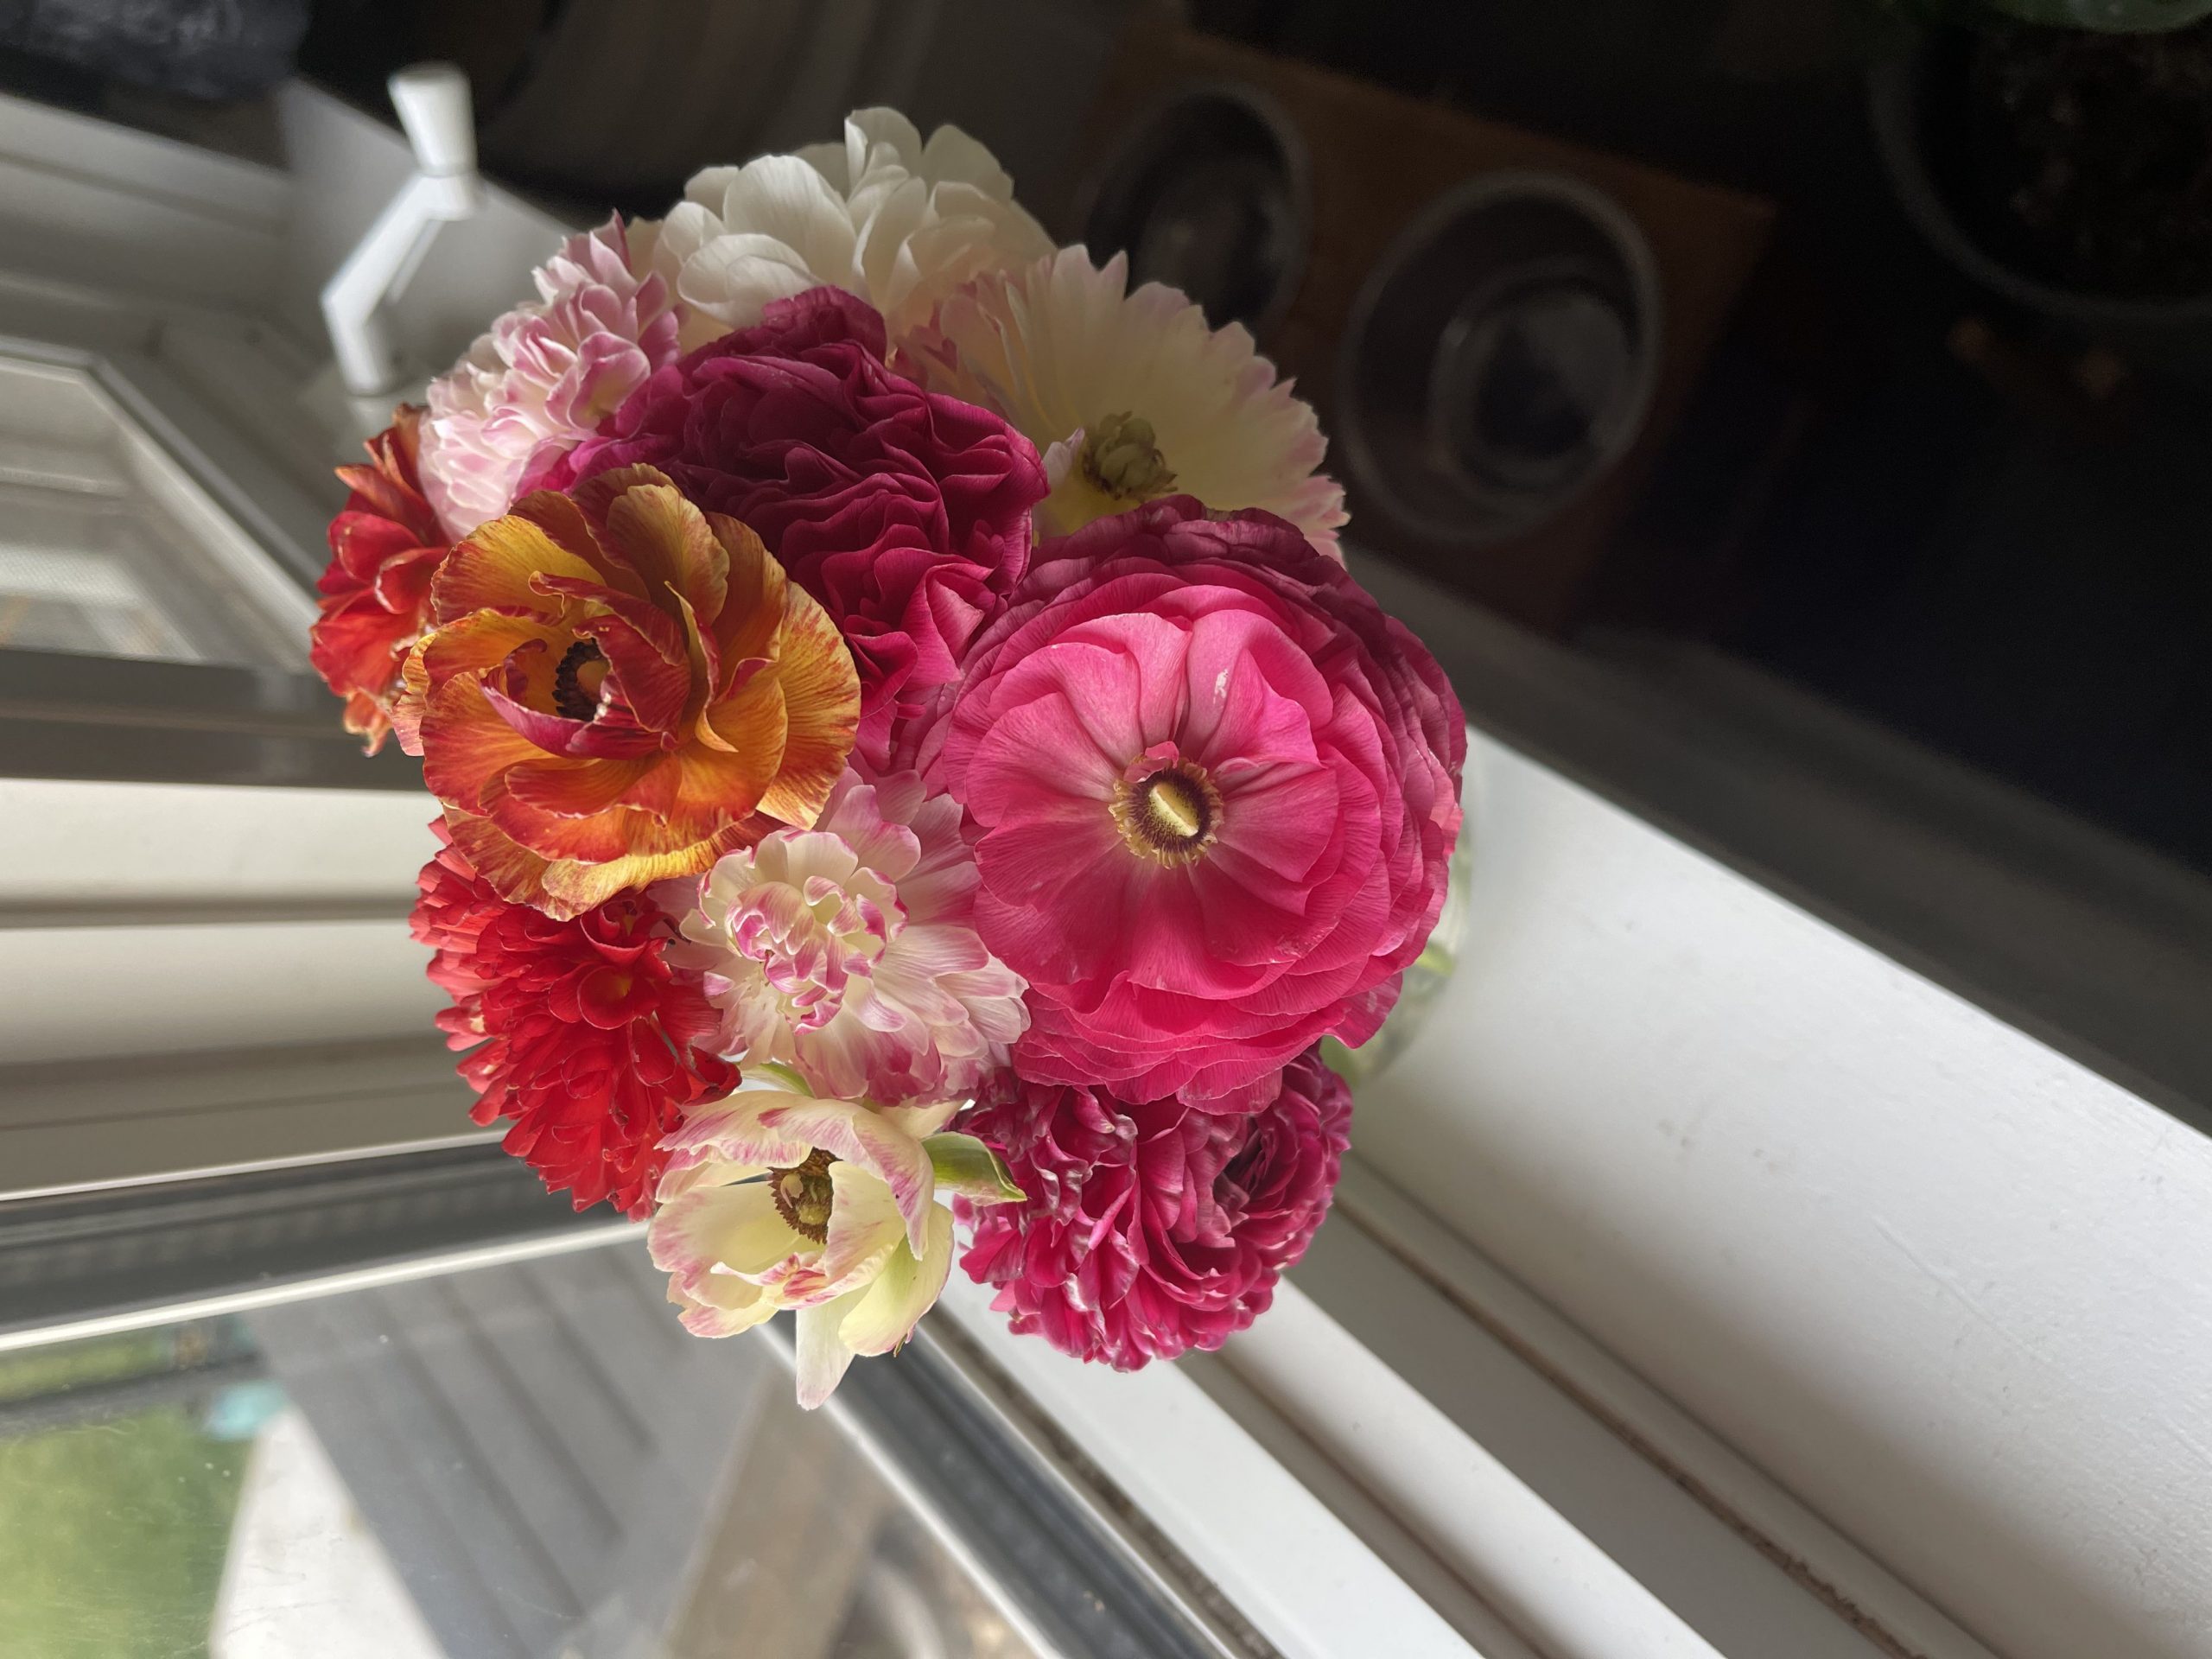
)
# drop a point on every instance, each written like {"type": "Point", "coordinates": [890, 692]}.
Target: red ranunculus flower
{"type": "Point", "coordinates": [905, 513]}
{"type": "Point", "coordinates": [1216, 790]}
{"type": "Point", "coordinates": [583, 1034]}
{"type": "Point", "coordinates": [1151, 1228]}
{"type": "Point", "coordinates": [384, 548]}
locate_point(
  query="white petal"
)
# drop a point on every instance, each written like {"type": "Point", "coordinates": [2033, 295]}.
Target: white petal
{"type": "Point", "coordinates": [734, 1129]}
{"type": "Point", "coordinates": [857, 817]}
{"type": "Point", "coordinates": [726, 1230]}
{"type": "Point", "coordinates": [783, 197]}
{"type": "Point", "coordinates": [908, 1288]}
{"type": "Point", "coordinates": [723, 1307]}
{"type": "Point", "coordinates": [827, 160]}
{"type": "Point", "coordinates": [1060, 458]}
{"type": "Point", "coordinates": [688, 228]}
{"type": "Point", "coordinates": [892, 220]}
{"type": "Point", "coordinates": [823, 1356]}
{"type": "Point", "coordinates": [643, 237]}
{"type": "Point", "coordinates": [809, 855]}
{"type": "Point", "coordinates": [865, 1228]}
{"type": "Point", "coordinates": [924, 1118]}
{"type": "Point", "coordinates": [708, 186]}
{"type": "Point", "coordinates": [1058, 345]}
{"type": "Point", "coordinates": [868, 131]}
{"type": "Point", "coordinates": [925, 950]}
{"type": "Point", "coordinates": [952, 154]}
{"type": "Point", "coordinates": [733, 278]}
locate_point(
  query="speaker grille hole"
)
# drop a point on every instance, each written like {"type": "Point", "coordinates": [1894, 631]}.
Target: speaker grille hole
{"type": "Point", "coordinates": [1207, 193]}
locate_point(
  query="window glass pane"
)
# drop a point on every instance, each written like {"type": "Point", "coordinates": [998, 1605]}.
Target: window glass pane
{"type": "Point", "coordinates": [108, 549]}
{"type": "Point", "coordinates": [524, 1460]}
{"type": "Point", "coordinates": [71, 593]}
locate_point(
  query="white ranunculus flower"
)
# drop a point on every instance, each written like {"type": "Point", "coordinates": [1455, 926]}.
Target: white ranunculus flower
{"type": "Point", "coordinates": [1128, 394]}
{"type": "Point", "coordinates": [896, 221]}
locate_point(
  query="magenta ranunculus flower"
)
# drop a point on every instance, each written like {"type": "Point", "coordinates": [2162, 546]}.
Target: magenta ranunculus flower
{"type": "Point", "coordinates": [1218, 790]}
{"type": "Point", "coordinates": [905, 513]}
{"type": "Point", "coordinates": [1149, 1229]}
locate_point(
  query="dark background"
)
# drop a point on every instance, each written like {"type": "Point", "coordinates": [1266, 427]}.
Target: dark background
{"type": "Point", "coordinates": [1974, 553]}
{"type": "Point", "coordinates": [1981, 522]}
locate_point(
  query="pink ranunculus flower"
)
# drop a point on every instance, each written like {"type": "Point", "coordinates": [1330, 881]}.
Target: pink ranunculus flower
{"type": "Point", "coordinates": [1217, 789]}
{"type": "Point", "coordinates": [1151, 1228]}
{"type": "Point", "coordinates": [905, 513]}
{"type": "Point", "coordinates": [848, 952]}
{"type": "Point", "coordinates": [545, 376]}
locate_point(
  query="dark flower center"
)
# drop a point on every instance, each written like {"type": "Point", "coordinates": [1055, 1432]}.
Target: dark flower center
{"type": "Point", "coordinates": [577, 681]}
{"type": "Point", "coordinates": [804, 1194]}
{"type": "Point", "coordinates": [1173, 815]}
{"type": "Point", "coordinates": [1120, 457]}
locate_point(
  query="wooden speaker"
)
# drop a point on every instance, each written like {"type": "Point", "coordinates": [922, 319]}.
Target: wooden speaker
{"type": "Point", "coordinates": [1499, 327]}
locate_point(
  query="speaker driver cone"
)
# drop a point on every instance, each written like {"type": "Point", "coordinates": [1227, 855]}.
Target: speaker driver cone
{"type": "Point", "coordinates": [1208, 193]}
{"type": "Point", "coordinates": [1500, 357]}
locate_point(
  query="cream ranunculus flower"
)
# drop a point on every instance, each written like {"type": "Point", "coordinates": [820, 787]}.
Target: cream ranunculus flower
{"type": "Point", "coordinates": [1128, 396]}
{"type": "Point", "coordinates": [776, 1199]}
{"type": "Point", "coordinates": [896, 221]}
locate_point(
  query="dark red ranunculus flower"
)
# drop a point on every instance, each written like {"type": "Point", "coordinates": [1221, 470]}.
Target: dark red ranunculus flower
{"type": "Point", "coordinates": [384, 548]}
{"type": "Point", "coordinates": [1151, 1228]}
{"type": "Point", "coordinates": [583, 1034]}
{"type": "Point", "coordinates": [905, 513]}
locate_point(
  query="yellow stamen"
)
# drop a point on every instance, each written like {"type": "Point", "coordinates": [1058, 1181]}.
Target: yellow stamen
{"type": "Point", "coordinates": [1173, 816]}
{"type": "Point", "coordinates": [804, 1196]}
{"type": "Point", "coordinates": [1121, 458]}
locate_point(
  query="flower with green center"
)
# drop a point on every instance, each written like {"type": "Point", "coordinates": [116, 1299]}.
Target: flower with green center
{"type": "Point", "coordinates": [1121, 458]}
{"type": "Point", "coordinates": [1130, 397]}
{"type": "Point", "coordinates": [775, 1199]}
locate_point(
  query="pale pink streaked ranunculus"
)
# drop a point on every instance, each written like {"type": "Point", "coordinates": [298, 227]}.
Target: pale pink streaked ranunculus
{"type": "Point", "coordinates": [544, 376]}
{"type": "Point", "coordinates": [777, 1198]}
{"type": "Point", "coordinates": [848, 952]}
{"type": "Point", "coordinates": [1215, 789]}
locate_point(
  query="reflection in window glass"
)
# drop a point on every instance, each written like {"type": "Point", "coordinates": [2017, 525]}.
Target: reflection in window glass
{"type": "Point", "coordinates": [527, 1460]}
{"type": "Point", "coordinates": [119, 1480]}
{"type": "Point", "coordinates": [57, 599]}
{"type": "Point", "coordinates": [107, 548]}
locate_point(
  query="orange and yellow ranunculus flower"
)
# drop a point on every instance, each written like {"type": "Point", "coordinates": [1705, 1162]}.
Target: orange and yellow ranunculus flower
{"type": "Point", "coordinates": [619, 688]}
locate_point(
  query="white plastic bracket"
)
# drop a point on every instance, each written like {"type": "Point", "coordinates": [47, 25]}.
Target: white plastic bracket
{"type": "Point", "coordinates": [434, 106]}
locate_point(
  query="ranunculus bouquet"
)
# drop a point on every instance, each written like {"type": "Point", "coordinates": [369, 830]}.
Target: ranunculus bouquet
{"type": "Point", "coordinates": [910, 757]}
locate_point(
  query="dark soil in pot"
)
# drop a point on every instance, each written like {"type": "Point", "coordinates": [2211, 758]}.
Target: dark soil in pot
{"type": "Point", "coordinates": [2084, 160]}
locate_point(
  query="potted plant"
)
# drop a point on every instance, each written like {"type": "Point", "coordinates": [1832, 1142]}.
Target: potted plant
{"type": "Point", "coordinates": [2060, 152]}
